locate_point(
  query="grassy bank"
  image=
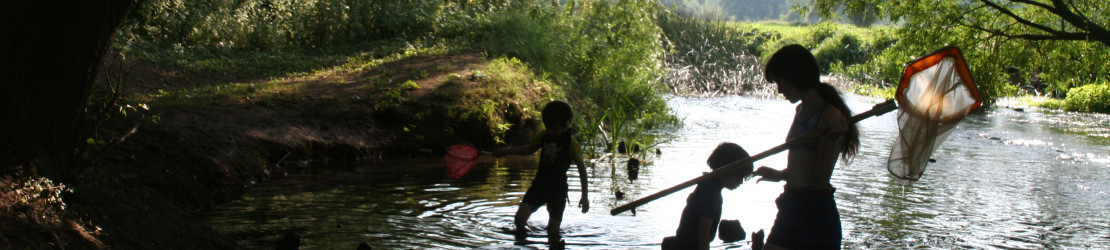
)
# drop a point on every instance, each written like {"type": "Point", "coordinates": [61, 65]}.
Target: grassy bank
{"type": "Point", "coordinates": [216, 118]}
{"type": "Point", "coordinates": [212, 137]}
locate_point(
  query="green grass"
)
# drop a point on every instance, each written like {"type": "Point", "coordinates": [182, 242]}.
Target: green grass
{"type": "Point", "coordinates": [235, 68]}
{"type": "Point", "coordinates": [873, 90]}
{"type": "Point", "coordinates": [236, 63]}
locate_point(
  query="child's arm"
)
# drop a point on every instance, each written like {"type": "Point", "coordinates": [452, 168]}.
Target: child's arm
{"type": "Point", "coordinates": [705, 232]}
{"type": "Point", "coordinates": [582, 176]}
{"type": "Point", "coordinates": [585, 201]}
{"type": "Point", "coordinates": [518, 150]}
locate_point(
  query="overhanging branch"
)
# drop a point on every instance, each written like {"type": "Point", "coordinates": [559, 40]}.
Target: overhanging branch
{"type": "Point", "coordinates": [1091, 30]}
{"type": "Point", "coordinates": [1018, 18]}
{"type": "Point", "coordinates": [1094, 31]}
{"type": "Point", "coordinates": [1066, 36]}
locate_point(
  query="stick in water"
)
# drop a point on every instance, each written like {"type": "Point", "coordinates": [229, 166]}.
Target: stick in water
{"type": "Point", "coordinates": [878, 109]}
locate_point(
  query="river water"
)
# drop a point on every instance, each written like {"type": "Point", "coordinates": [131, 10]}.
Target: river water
{"type": "Point", "coordinates": [1003, 179]}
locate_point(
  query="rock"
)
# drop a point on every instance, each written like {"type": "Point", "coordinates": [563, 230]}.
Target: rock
{"type": "Point", "coordinates": [633, 169]}
{"type": "Point", "coordinates": [626, 148]}
{"type": "Point", "coordinates": [364, 246]}
{"type": "Point", "coordinates": [730, 231]}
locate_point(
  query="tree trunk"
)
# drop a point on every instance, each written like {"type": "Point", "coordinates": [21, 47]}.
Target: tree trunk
{"type": "Point", "coordinates": [50, 53]}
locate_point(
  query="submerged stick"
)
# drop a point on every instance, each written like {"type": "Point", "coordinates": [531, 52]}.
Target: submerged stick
{"type": "Point", "coordinates": [878, 109]}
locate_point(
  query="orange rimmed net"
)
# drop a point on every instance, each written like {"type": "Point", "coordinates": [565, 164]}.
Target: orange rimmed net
{"type": "Point", "coordinates": [935, 93]}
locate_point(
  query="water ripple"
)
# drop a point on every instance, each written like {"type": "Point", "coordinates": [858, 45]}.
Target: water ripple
{"type": "Point", "coordinates": [1003, 179]}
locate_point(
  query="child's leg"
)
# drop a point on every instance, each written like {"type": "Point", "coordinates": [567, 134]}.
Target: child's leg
{"type": "Point", "coordinates": [555, 214]}
{"type": "Point", "coordinates": [553, 230]}
{"type": "Point", "coordinates": [522, 213]}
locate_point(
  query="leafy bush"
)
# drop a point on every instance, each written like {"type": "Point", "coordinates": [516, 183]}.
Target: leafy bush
{"type": "Point", "coordinates": [35, 216]}
{"type": "Point", "coordinates": [615, 63]}
{"type": "Point", "coordinates": [845, 49]}
{"type": "Point", "coordinates": [532, 33]}
{"type": "Point", "coordinates": [277, 24]}
{"type": "Point", "coordinates": [1089, 98]}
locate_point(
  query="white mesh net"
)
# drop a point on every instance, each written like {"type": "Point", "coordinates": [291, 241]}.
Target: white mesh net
{"type": "Point", "coordinates": [935, 94]}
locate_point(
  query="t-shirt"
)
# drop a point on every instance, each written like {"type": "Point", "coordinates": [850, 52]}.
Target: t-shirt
{"type": "Point", "coordinates": [705, 201]}
{"type": "Point", "coordinates": [556, 155]}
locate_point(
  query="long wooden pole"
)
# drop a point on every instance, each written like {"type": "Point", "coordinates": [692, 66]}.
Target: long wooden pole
{"type": "Point", "coordinates": [878, 109]}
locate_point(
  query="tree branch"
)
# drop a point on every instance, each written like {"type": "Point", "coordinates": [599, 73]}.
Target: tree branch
{"type": "Point", "coordinates": [1035, 37]}
{"type": "Point", "coordinates": [1071, 15]}
{"type": "Point", "coordinates": [1094, 31]}
{"type": "Point", "coordinates": [1018, 18]}
{"type": "Point", "coordinates": [1043, 6]}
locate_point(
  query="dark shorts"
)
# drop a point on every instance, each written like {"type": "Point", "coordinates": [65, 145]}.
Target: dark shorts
{"type": "Point", "coordinates": [806, 220]}
{"type": "Point", "coordinates": [554, 196]}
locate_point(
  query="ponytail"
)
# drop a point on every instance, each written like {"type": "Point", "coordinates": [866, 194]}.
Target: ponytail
{"type": "Point", "coordinates": [851, 137]}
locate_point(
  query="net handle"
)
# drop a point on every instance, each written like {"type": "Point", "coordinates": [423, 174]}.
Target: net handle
{"type": "Point", "coordinates": [877, 110]}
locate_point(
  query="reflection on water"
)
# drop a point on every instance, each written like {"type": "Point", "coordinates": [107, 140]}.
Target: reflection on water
{"type": "Point", "coordinates": [1003, 179]}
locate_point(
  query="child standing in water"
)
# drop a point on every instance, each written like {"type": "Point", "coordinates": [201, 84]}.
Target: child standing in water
{"type": "Point", "coordinates": [557, 149]}
{"type": "Point", "coordinates": [698, 224]}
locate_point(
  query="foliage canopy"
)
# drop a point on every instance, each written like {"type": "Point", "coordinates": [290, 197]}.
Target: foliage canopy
{"type": "Point", "coordinates": [1060, 44]}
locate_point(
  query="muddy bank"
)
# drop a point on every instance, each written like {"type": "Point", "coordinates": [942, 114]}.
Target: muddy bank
{"type": "Point", "coordinates": [145, 192]}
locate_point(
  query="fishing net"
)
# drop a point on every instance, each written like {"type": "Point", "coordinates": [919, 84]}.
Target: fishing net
{"type": "Point", "coordinates": [460, 159]}
{"type": "Point", "coordinates": [935, 93]}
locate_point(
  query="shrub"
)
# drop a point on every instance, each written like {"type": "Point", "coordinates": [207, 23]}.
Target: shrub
{"type": "Point", "coordinates": [1089, 98]}
{"type": "Point", "coordinates": [33, 215]}
{"type": "Point", "coordinates": [274, 25]}
{"type": "Point", "coordinates": [846, 50]}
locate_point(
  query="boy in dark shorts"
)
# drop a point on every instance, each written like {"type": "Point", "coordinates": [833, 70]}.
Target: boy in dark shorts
{"type": "Point", "coordinates": [557, 149]}
{"type": "Point", "coordinates": [698, 224]}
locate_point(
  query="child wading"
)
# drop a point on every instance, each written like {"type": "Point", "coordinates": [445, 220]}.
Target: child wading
{"type": "Point", "coordinates": [558, 148]}
{"type": "Point", "coordinates": [698, 224]}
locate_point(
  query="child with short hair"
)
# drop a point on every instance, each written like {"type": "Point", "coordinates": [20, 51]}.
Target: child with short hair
{"type": "Point", "coordinates": [698, 225]}
{"type": "Point", "coordinates": [557, 149]}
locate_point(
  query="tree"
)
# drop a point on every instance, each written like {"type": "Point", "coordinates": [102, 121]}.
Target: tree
{"type": "Point", "coordinates": [1061, 43]}
{"type": "Point", "coordinates": [1065, 20]}
{"type": "Point", "coordinates": [50, 53]}
{"type": "Point", "coordinates": [859, 13]}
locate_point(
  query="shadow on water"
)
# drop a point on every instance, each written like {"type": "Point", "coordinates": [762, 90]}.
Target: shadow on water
{"type": "Point", "coordinates": [1003, 179]}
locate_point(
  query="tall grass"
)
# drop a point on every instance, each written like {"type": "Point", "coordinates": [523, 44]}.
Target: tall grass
{"type": "Point", "coordinates": [708, 57]}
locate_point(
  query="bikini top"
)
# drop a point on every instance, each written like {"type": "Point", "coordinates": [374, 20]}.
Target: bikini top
{"type": "Point", "coordinates": [799, 129]}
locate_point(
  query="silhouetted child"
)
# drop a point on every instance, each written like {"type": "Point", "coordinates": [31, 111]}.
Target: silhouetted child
{"type": "Point", "coordinates": [557, 149]}
{"type": "Point", "coordinates": [698, 225]}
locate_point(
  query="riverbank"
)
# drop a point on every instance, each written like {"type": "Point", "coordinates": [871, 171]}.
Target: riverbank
{"type": "Point", "coordinates": [204, 140]}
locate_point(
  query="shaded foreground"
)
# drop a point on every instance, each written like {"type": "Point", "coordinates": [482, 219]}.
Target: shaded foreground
{"type": "Point", "coordinates": [203, 150]}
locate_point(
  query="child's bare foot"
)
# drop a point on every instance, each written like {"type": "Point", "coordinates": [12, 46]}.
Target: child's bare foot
{"type": "Point", "coordinates": [521, 234]}
{"type": "Point", "coordinates": [561, 244]}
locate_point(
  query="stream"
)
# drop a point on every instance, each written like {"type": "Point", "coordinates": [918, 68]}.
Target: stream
{"type": "Point", "coordinates": [1004, 179]}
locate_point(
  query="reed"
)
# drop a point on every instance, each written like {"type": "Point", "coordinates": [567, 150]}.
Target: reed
{"type": "Point", "coordinates": [707, 57]}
